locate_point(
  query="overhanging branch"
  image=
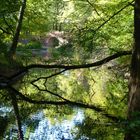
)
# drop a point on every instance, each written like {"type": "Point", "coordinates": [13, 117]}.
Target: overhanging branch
{"type": "Point", "coordinates": [69, 67]}
{"type": "Point", "coordinates": [66, 102]}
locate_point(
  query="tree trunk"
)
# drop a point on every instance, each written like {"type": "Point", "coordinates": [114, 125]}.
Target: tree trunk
{"type": "Point", "coordinates": [134, 87]}
{"type": "Point", "coordinates": [12, 50]}
{"type": "Point", "coordinates": [134, 93]}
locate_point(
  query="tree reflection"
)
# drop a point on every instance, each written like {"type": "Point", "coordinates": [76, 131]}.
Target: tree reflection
{"type": "Point", "coordinates": [58, 85]}
{"type": "Point", "coordinates": [91, 129]}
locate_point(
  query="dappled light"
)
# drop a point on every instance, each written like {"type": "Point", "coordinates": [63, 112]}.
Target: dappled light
{"type": "Point", "coordinates": [69, 70]}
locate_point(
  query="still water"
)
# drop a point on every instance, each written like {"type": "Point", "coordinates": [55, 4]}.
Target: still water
{"type": "Point", "coordinates": [58, 131]}
{"type": "Point", "coordinates": [77, 127]}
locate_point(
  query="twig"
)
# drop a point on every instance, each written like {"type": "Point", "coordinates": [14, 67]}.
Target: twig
{"type": "Point", "coordinates": [46, 90]}
{"type": "Point", "coordinates": [9, 26]}
{"type": "Point", "coordinates": [4, 31]}
{"type": "Point", "coordinates": [116, 13]}
{"type": "Point", "coordinates": [93, 7]}
{"type": "Point", "coordinates": [55, 74]}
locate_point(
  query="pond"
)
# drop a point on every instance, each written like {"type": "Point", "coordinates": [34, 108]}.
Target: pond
{"type": "Point", "coordinates": [75, 126]}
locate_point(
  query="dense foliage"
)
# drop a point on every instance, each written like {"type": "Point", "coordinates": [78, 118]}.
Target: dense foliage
{"type": "Point", "coordinates": [92, 31]}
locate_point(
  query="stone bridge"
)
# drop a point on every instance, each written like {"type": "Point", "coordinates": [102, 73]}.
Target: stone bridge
{"type": "Point", "coordinates": [53, 39]}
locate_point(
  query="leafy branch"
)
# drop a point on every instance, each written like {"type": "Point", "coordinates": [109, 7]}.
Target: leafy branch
{"type": "Point", "coordinates": [116, 13]}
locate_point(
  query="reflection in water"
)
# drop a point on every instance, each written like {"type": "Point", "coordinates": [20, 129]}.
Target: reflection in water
{"type": "Point", "coordinates": [79, 127]}
{"type": "Point", "coordinates": [58, 131]}
{"type": "Point", "coordinates": [5, 110]}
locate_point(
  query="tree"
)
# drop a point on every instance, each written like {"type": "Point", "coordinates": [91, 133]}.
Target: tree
{"type": "Point", "coordinates": [134, 97]}
{"type": "Point", "coordinates": [86, 32]}
{"type": "Point", "coordinates": [134, 86]}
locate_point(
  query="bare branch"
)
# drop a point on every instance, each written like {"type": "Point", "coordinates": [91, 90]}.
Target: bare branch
{"type": "Point", "coordinates": [46, 90]}
{"type": "Point", "coordinates": [70, 103]}
{"type": "Point", "coordinates": [67, 67]}
{"type": "Point", "coordinates": [55, 74]}
{"type": "Point", "coordinates": [25, 70]}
